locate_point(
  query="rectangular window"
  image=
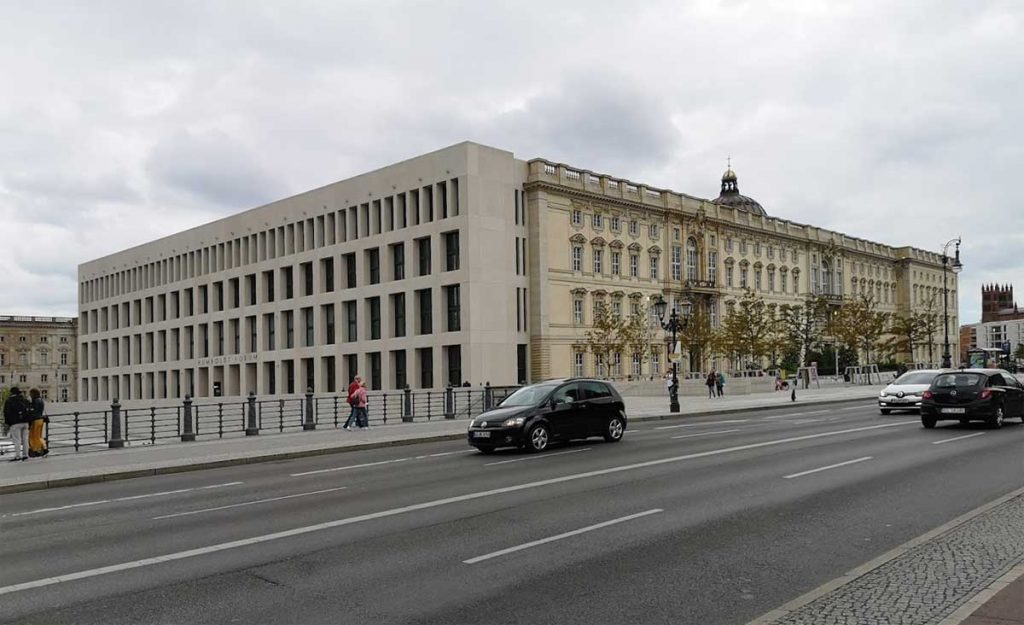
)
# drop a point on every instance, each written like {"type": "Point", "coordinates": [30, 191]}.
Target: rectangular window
{"type": "Point", "coordinates": [782, 281]}
{"type": "Point", "coordinates": [426, 358]}
{"type": "Point", "coordinates": [757, 279]}
{"type": "Point", "coordinates": [374, 305]}
{"type": "Point", "coordinates": [616, 263]}
{"type": "Point", "coordinates": [250, 285]}
{"type": "Point", "coordinates": [521, 363]}
{"type": "Point", "coordinates": [350, 270]}
{"type": "Point", "coordinates": [373, 260]}
{"type": "Point", "coordinates": [398, 359]}
{"type": "Point", "coordinates": [771, 281]}
{"type": "Point", "coordinates": [307, 319]}
{"type": "Point", "coordinates": [268, 331]}
{"type": "Point", "coordinates": [743, 277]}
{"type": "Point", "coordinates": [713, 266]}
{"type": "Point", "coordinates": [307, 278]}
{"type": "Point", "coordinates": [286, 280]}
{"type": "Point", "coordinates": [634, 265]}
{"type": "Point", "coordinates": [598, 258]}
{"type": "Point", "coordinates": [374, 371]}
{"type": "Point", "coordinates": [424, 302]}
{"type": "Point", "coordinates": [327, 274]}
{"type": "Point", "coordinates": [577, 258]}
{"type": "Point", "coordinates": [616, 224]}
{"type": "Point", "coordinates": [327, 312]}
{"type": "Point", "coordinates": [351, 322]}
{"type": "Point", "coordinates": [598, 222]}
{"type": "Point", "coordinates": [654, 267]}
{"type": "Point", "coordinates": [397, 261]}
{"type": "Point", "coordinates": [268, 286]}
{"type": "Point", "coordinates": [423, 254]}
{"type": "Point", "coordinates": [578, 364]}
{"type": "Point", "coordinates": [453, 356]}
{"type": "Point", "coordinates": [634, 227]}
{"type": "Point", "coordinates": [451, 250]}
{"type": "Point", "coordinates": [398, 312]}
{"type": "Point", "coordinates": [676, 263]}
{"type": "Point", "coordinates": [289, 329]}
{"type": "Point", "coordinates": [452, 302]}
{"type": "Point", "coordinates": [652, 231]}
{"type": "Point", "coordinates": [577, 217]}
{"type": "Point", "coordinates": [728, 276]}
{"type": "Point", "coordinates": [577, 311]}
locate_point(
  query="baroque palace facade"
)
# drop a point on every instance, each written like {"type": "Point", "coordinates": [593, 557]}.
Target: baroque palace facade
{"type": "Point", "coordinates": [461, 265]}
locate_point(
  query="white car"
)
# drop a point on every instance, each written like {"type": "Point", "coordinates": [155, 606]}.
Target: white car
{"type": "Point", "coordinates": [905, 392]}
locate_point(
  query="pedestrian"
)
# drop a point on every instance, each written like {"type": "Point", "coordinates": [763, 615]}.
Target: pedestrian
{"type": "Point", "coordinates": [720, 384]}
{"type": "Point", "coordinates": [668, 384]}
{"type": "Point", "coordinates": [36, 443]}
{"type": "Point", "coordinates": [351, 391]}
{"type": "Point", "coordinates": [710, 382]}
{"type": "Point", "coordinates": [359, 400]}
{"type": "Point", "coordinates": [16, 416]}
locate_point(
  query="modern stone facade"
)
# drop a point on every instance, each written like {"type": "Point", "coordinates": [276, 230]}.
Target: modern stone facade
{"type": "Point", "coordinates": [462, 264]}
{"type": "Point", "coordinates": [39, 352]}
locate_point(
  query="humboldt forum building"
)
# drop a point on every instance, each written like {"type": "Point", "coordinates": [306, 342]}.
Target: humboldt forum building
{"type": "Point", "coordinates": [461, 265]}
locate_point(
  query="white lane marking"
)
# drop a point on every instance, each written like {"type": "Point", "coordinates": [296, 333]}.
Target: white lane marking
{"type": "Point", "coordinates": [795, 414]}
{"type": "Point", "coordinates": [248, 503]}
{"type": "Point", "coordinates": [299, 531]}
{"type": "Point", "coordinates": [704, 434]}
{"type": "Point", "coordinates": [800, 421]}
{"type": "Point", "coordinates": [449, 453]}
{"type": "Point", "coordinates": [694, 425]}
{"type": "Point", "coordinates": [561, 453]}
{"type": "Point", "coordinates": [831, 466]}
{"type": "Point", "coordinates": [351, 466]}
{"type": "Point", "coordinates": [958, 438]}
{"type": "Point", "coordinates": [551, 539]}
{"type": "Point", "coordinates": [132, 498]}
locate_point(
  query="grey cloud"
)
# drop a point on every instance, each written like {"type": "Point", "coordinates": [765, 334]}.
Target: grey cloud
{"type": "Point", "coordinates": [214, 168]}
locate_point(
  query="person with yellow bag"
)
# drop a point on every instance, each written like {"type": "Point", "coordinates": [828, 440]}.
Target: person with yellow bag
{"type": "Point", "coordinates": [36, 443]}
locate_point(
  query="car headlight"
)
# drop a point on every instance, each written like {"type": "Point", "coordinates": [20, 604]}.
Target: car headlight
{"type": "Point", "coordinates": [882, 394]}
{"type": "Point", "coordinates": [514, 422]}
{"type": "Point", "coordinates": [470, 426]}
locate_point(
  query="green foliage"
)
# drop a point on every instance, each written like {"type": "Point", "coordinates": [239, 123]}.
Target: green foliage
{"type": "Point", "coordinates": [607, 336]}
{"type": "Point", "coordinates": [859, 324]}
{"type": "Point", "coordinates": [747, 329]}
{"type": "Point", "coordinates": [698, 337]}
{"type": "Point", "coordinates": [803, 324]}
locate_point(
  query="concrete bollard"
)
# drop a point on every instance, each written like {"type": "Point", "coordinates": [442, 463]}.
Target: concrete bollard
{"type": "Point", "coordinates": [251, 429]}
{"type": "Point", "coordinates": [309, 423]}
{"type": "Point", "coordinates": [115, 442]}
{"type": "Point", "coordinates": [188, 433]}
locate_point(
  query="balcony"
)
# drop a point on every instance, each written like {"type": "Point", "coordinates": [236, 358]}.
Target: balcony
{"type": "Point", "coordinates": [700, 286]}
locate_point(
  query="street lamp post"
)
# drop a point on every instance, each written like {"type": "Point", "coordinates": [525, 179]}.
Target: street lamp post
{"type": "Point", "coordinates": [956, 266]}
{"type": "Point", "coordinates": [673, 325]}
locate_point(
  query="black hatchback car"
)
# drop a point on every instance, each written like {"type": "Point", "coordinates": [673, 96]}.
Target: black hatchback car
{"type": "Point", "coordinates": [989, 395]}
{"type": "Point", "coordinates": [556, 410]}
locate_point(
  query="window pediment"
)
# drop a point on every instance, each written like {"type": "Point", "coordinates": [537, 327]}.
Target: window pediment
{"type": "Point", "coordinates": [578, 238]}
{"type": "Point", "coordinates": [635, 247]}
{"type": "Point", "coordinates": [599, 241]}
{"type": "Point", "coordinates": [654, 249]}
{"type": "Point", "coordinates": [616, 244]}
{"type": "Point", "coordinates": [579, 291]}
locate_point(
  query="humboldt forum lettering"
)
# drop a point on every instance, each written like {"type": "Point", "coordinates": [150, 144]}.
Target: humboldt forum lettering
{"type": "Point", "coordinates": [461, 265]}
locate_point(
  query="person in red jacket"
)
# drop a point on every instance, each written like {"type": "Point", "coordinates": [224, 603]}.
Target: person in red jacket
{"type": "Point", "coordinates": [352, 388]}
{"type": "Point", "coordinates": [359, 404]}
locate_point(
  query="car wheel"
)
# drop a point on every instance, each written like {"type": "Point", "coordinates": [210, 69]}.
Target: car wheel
{"type": "Point", "coordinates": [537, 439]}
{"type": "Point", "coordinates": [928, 422]}
{"type": "Point", "coordinates": [613, 433]}
{"type": "Point", "coordinates": [484, 449]}
{"type": "Point", "coordinates": [996, 420]}
{"type": "Point", "coordinates": [886, 411]}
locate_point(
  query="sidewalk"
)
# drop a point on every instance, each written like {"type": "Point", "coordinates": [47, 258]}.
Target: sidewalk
{"type": "Point", "coordinates": [67, 468]}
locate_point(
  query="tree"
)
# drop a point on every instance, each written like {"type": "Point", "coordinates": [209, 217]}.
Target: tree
{"type": "Point", "coordinates": [606, 336]}
{"type": "Point", "coordinates": [803, 324]}
{"type": "Point", "coordinates": [747, 328]}
{"type": "Point", "coordinates": [930, 326]}
{"type": "Point", "coordinates": [908, 331]}
{"type": "Point", "coordinates": [860, 325]}
{"type": "Point", "coordinates": [636, 336]}
{"type": "Point", "coordinates": [697, 337]}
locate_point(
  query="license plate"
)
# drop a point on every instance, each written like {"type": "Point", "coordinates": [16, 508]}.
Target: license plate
{"type": "Point", "coordinates": [954, 410]}
{"type": "Point", "coordinates": [481, 434]}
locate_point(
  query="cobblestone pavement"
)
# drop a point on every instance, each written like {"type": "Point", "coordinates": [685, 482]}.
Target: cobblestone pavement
{"type": "Point", "coordinates": [929, 581]}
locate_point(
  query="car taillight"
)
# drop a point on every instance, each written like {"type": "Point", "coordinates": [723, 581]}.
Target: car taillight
{"type": "Point", "coordinates": [985, 394]}
{"type": "Point", "coordinates": [926, 395]}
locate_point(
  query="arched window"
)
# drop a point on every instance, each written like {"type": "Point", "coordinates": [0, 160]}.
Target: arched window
{"type": "Point", "coordinates": [691, 259]}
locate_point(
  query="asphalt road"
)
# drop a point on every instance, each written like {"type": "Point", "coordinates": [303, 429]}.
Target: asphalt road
{"type": "Point", "coordinates": [711, 520]}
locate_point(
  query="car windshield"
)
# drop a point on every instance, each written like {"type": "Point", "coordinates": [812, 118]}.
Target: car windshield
{"type": "Point", "coordinates": [528, 395]}
{"type": "Point", "coordinates": [915, 377]}
{"type": "Point", "coordinates": [960, 380]}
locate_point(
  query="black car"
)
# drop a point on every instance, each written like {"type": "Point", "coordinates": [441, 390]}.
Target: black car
{"type": "Point", "coordinates": [557, 410]}
{"type": "Point", "coordinates": [989, 395]}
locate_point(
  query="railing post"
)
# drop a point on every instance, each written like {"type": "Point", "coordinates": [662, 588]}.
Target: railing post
{"type": "Point", "coordinates": [309, 423]}
{"type": "Point", "coordinates": [115, 442]}
{"type": "Point", "coordinates": [76, 430]}
{"type": "Point", "coordinates": [407, 405]}
{"type": "Point", "coordinates": [488, 398]}
{"type": "Point", "coordinates": [449, 402]}
{"type": "Point", "coordinates": [251, 429]}
{"type": "Point", "coordinates": [187, 433]}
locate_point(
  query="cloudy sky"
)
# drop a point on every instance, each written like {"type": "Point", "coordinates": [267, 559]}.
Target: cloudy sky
{"type": "Point", "coordinates": [121, 122]}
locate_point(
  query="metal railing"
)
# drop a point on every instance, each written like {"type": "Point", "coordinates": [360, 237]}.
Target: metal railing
{"type": "Point", "coordinates": [116, 426]}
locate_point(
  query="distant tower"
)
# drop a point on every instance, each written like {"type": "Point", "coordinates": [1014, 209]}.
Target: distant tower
{"type": "Point", "coordinates": [997, 303]}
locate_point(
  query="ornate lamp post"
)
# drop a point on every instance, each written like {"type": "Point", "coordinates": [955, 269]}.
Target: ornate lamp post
{"type": "Point", "coordinates": [956, 266]}
{"type": "Point", "coordinates": [674, 324]}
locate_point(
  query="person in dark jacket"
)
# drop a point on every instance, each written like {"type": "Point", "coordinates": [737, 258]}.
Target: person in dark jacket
{"type": "Point", "coordinates": [352, 388]}
{"type": "Point", "coordinates": [36, 443]}
{"type": "Point", "coordinates": [16, 415]}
